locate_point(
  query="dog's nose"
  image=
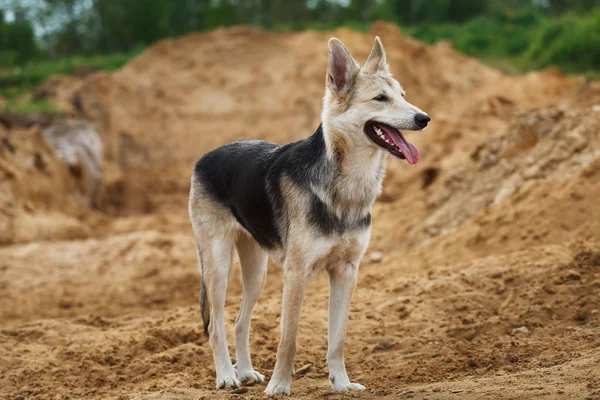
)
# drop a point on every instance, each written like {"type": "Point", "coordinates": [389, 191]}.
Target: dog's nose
{"type": "Point", "coordinates": [422, 120]}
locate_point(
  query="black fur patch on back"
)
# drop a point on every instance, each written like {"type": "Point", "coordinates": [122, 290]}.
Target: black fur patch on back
{"type": "Point", "coordinates": [234, 175]}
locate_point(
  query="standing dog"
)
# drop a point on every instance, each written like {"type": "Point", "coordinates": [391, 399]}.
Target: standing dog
{"type": "Point", "coordinates": [307, 205]}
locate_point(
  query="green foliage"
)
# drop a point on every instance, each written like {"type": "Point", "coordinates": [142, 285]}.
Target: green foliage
{"type": "Point", "coordinates": [125, 24]}
{"type": "Point", "coordinates": [528, 38]}
{"type": "Point", "coordinates": [223, 13]}
{"type": "Point", "coordinates": [17, 42]}
{"type": "Point", "coordinates": [415, 12]}
{"type": "Point", "coordinates": [570, 42]}
{"type": "Point", "coordinates": [562, 6]}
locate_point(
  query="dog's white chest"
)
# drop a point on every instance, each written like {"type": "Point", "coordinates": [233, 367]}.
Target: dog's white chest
{"type": "Point", "coordinates": [324, 252]}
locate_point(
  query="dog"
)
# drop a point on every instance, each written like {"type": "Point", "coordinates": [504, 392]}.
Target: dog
{"type": "Point", "coordinates": [306, 205]}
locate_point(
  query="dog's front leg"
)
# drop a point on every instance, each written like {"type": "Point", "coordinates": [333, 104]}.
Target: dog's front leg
{"type": "Point", "coordinates": [342, 281]}
{"type": "Point", "coordinates": [294, 286]}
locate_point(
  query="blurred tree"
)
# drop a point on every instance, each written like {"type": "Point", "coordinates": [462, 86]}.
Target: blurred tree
{"type": "Point", "coordinates": [360, 10]}
{"type": "Point", "coordinates": [561, 6]}
{"type": "Point", "coordinates": [222, 13]}
{"type": "Point", "coordinates": [419, 11]}
{"type": "Point", "coordinates": [73, 27]}
{"type": "Point", "coordinates": [17, 41]}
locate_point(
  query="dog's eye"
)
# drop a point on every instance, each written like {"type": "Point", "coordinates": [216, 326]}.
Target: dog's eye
{"type": "Point", "coordinates": [381, 97]}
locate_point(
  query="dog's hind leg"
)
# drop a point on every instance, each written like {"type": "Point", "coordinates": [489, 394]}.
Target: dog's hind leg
{"type": "Point", "coordinates": [253, 261]}
{"type": "Point", "coordinates": [215, 236]}
{"type": "Point", "coordinates": [216, 259]}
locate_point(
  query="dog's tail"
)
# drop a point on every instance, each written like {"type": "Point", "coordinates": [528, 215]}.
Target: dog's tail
{"type": "Point", "coordinates": [204, 306]}
{"type": "Point", "coordinates": [204, 309]}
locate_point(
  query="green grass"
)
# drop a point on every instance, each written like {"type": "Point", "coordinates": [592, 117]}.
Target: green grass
{"type": "Point", "coordinates": [32, 107]}
{"type": "Point", "coordinates": [18, 80]}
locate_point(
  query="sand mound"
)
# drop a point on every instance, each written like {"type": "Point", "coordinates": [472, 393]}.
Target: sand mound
{"type": "Point", "coordinates": [481, 279]}
{"type": "Point", "coordinates": [165, 108]}
{"type": "Point", "coordinates": [36, 195]}
{"type": "Point", "coordinates": [539, 146]}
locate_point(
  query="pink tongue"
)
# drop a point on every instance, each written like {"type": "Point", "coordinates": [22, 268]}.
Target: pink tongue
{"type": "Point", "coordinates": [408, 150]}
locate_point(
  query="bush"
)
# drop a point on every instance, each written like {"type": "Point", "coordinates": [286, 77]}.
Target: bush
{"type": "Point", "coordinates": [481, 37]}
{"type": "Point", "coordinates": [527, 37]}
{"type": "Point", "coordinates": [570, 42]}
{"type": "Point", "coordinates": [17, 42]}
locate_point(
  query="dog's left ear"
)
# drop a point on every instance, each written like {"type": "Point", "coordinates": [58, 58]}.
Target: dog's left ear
{"type": "Point", "coordinates": [377, 60]}
{"type": "Point", "coordinates": [342, 68]}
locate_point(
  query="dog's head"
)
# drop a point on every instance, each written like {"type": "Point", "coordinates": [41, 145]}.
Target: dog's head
{"type": "Point", "coordinates": [366, 105]}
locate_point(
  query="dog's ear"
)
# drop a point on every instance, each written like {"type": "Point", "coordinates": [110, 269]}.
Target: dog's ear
{"type": "Point", "coordinates": [342, 69]}
{"type": "Point", "coordinates": [377, 60]}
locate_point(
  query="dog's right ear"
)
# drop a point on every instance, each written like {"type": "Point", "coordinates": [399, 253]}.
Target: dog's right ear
{"type": "Point", "coordinates": [342, 68]}
{"type": "Point", "coordinates": [377, 60]}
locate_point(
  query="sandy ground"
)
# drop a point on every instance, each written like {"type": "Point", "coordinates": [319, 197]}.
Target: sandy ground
{"type": "Point", "coordinates": [482, 279]}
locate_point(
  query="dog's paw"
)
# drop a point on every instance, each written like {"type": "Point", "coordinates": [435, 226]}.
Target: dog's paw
{"type": "Point", "coordinates": [279, 387]}
{"type": "Point", "coordinates": [350, 386]}
{"type": "Point", "coordinates": [250, 376]}
{"type": "Point", "coordinates": [228, 382]}
{"type": "Point", "coordinates": [342, 385]}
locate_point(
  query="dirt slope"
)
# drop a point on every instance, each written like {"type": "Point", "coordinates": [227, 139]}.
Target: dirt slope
{"type": "Point", "coordinates": [481, 280]}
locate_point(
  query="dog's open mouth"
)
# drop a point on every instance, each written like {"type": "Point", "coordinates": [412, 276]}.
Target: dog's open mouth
{"type": "Point", "coordinates": [392, 140]}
